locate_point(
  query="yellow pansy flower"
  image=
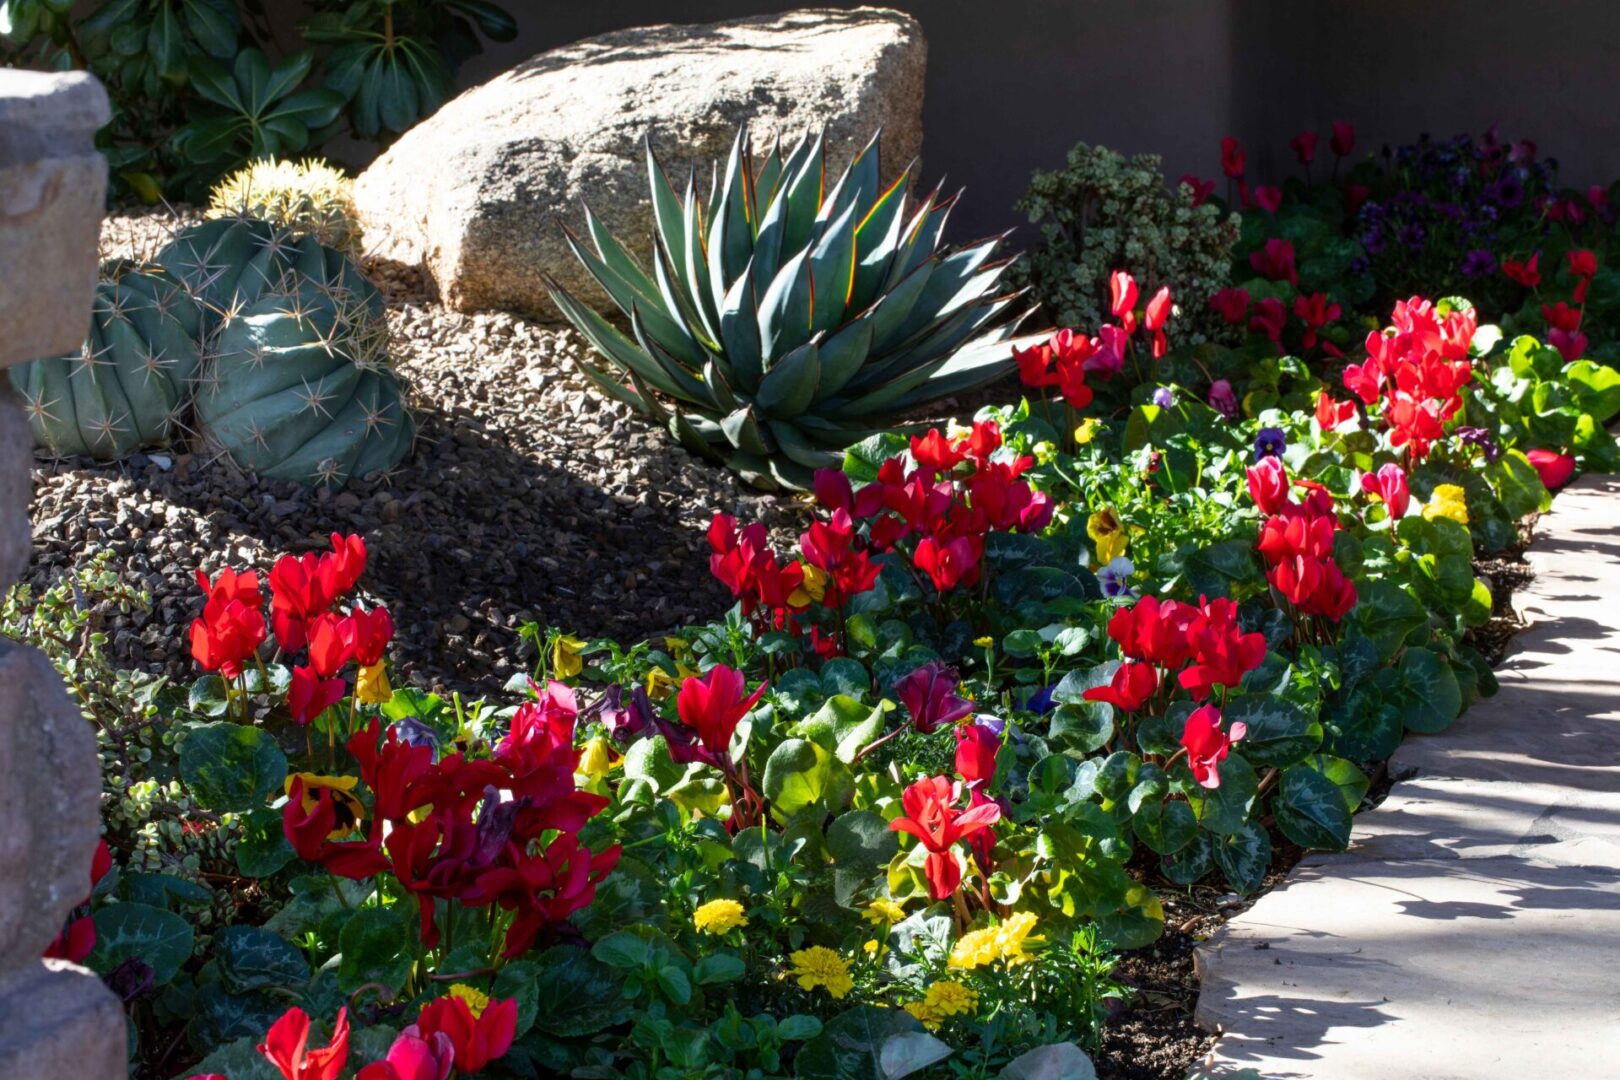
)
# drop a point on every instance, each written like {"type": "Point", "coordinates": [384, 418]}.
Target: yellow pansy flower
{"type": "Point", "coordinates": [1106, 532]}
{"type": "Point", "coordinates": [371, 685]}
{"type": "Point", "coordinates": [661, 684]}
{"type": "Point", "coordinates": [350, 811]}
{"type": "Point", "coordinates": [813, 587]}
{"type": "Point", "coordinates": [596, 759]}
{"type": "Point", "coordinates": [719, 916]}
{"type": "Point", "coordinates": [1086, 430]}
{"type": "Point", "coordinates": [984, 642]}
{"type": "Point", "coordinates": [566, 661]}
{"type": "Point", "coordinates": [477, 1001]}
{"type": "Point", "coordinates": [884, 912]}
{"type": "Point", "coordinates": [1447, 501]}
{"type": "Point", "coordinates": [820, 966]}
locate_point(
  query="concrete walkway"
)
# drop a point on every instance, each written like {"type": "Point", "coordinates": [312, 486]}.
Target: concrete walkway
{"type": "Point", "coordinates": [1472, 931]}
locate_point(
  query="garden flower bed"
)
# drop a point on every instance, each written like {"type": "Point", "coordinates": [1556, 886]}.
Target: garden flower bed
{"type": "Point", "coordinates": [802, 738]}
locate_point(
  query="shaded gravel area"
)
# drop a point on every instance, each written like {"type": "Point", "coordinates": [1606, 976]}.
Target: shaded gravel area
{"type": "Point", "coordinates": [528, 497]}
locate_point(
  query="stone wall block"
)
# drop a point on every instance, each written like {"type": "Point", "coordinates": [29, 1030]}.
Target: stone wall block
{"type": "Point", "coordinates": [53, 187]}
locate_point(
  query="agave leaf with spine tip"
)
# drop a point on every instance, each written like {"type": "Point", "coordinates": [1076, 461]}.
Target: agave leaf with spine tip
{"type": "Point", "coordinates": [797, 314]}
{"type": "Point", "coordinates": [628, 295]}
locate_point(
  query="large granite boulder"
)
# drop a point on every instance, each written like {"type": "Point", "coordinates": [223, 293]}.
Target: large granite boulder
{"type": "Point", "coordinates": [477, 192]}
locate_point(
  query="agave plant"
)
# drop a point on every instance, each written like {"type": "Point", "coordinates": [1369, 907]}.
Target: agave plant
{"type": "Point", "coordinates": [785, 320]}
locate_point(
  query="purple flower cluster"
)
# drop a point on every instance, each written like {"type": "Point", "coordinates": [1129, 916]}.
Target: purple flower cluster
{"type": "Point", "coordinates": [1457, 201]}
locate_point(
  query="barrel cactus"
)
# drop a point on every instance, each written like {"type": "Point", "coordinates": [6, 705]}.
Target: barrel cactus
{"type": "Point", "coordinates": [787, 319]}
{"type": "Point", "coordinates": [129, 386]}
{"type": "Point", "coordinates": [229, 263]}
{"type": "Point", "coordinates": [298, 385]}
{"type": "Point", "coordinates": [305, 198]}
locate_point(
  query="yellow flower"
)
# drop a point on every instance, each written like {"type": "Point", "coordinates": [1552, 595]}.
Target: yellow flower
{"type": "Point", "coordinates": [476, 1000]}
{"type": "Point", "coordinates": [1045, 452]}
{"type": "Point", "coordinates": [874, 948]}
{"type": "Point", "coordinates": [1447, 501]}
{"type": "Point", "coordinates": [596, 758]}
{"type": "Point", "coordinates": [371, 685]}
{"type": "Point", "coordinates": [1106, 532]}
{"type": "Point", "coordinates": [677, 647]}
{"type": "Point", "coordinates": [565, 659]}
{"type": "Point", "coordinates": [814, 586]}
{"type": "Point", "coordinates": [1086, 431]}
{"type": "Point", "coordinates": [661, 684]}
{"type": "Point", "coordinates": [1005, 941]}
{"type": "Point", "coordinates": [984, 642]}
{"type": "Point", "coordinates": [943, 1001]}
{"type": "Point", "coordinates": [884, 912]}
{"type": "Point", "coordinates": [820, 966]}
{"type": "Point", "coordinates": [719, 916]}
{"type": "Point", "coordinates": [350, 811]}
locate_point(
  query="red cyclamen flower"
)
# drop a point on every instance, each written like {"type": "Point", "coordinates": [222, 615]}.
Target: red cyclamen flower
{"type": "Point", "coordinates": [478, 1040]}
{"type": "Point", "coordinates": [976, 750]}
{"type": "Point", "coordinates": [285, 1047]}
{"type": "Point", "coordinates": [1232, 304]}
{"type": "Point", "coordinates": [933, 818]}
{"type": "Point", "coordinates": [1207, 745]}
{"type": "Point", "coordinates": [413, 1058]}
{"type": "Point", "coordinates": [1554, 468]}
{"type": "Point", "coordinates": [712, 705]}
{"type": "Point", "coordinates": [231, 627]}
{"type": "Point", "coordinates": [309, 694]}
{"type": "Point", "coordinates": [1129, 689]}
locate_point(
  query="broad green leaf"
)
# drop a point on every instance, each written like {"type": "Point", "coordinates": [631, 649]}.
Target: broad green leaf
{"type": "Point", "coordinates": [230, 766]}
{"type": "Point", "coordinates": [376, 947]}
{"type": "Point", "coordinates": [1279, 733]}
{"type": "Point", "coordinates": [159, 938]}
{"type": "Point", "coordinates": [1310, 810]}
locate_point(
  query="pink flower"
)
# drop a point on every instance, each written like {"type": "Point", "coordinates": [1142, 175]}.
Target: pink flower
{"type": "Point", "coordinates": [1122, 294]}
{"type": "Point", "coordinates": [1554, 468]}
{"type": "Point", "coordinates": [1344, 138]}
{"type": "Point", "coordinates": [1571, 344]}
{"type": "Point", "coordinates": [1304, 146]}
{"type": "Point", "coordinates": [1268, 485]}
{"type": "Point", "coordinates": [1276, 261]}
{"type": "Point", "coordinates": [1233, 160]}
{"type": "Point", "coordinates": [1232, 303]}
{"type": "Point", "coordinates": [1201, 189]}
{"type": "Point", "coordinates": [1389, 484]}
{"type": "Point", "coordinates": [1207, 745]}
{"type": "Point", "coordinates": [1268, 198]}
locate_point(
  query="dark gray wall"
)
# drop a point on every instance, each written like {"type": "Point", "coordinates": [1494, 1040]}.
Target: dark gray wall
{"type": "Point", "coordinates": [1013, 83]}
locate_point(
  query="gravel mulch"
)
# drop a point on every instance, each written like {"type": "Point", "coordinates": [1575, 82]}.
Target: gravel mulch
{"type": "Point", "coordinates": [529, 497]}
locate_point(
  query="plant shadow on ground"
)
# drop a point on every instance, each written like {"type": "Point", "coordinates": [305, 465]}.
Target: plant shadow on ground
{"type": "Point", "coordinates": [468, 539]}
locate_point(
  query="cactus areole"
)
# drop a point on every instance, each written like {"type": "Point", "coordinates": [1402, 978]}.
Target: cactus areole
{"type": "Point", "coordinates": [130, 384]}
